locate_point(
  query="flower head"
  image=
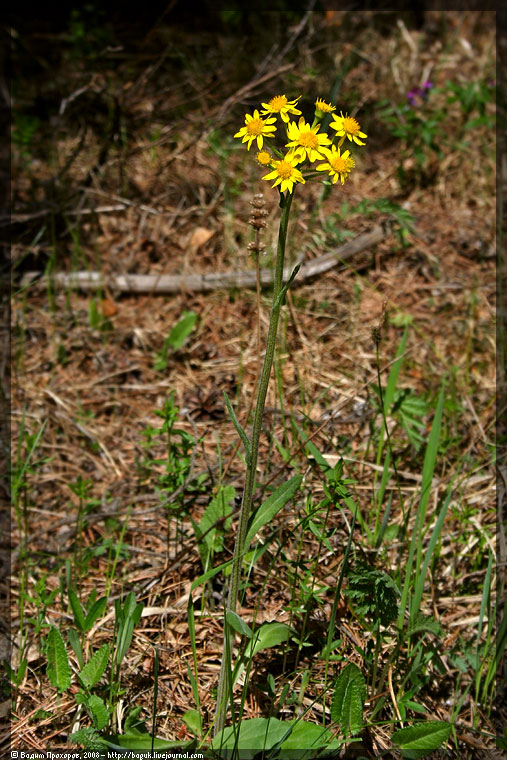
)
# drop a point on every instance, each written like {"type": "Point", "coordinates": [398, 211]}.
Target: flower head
{"type": "Point", "coordinates": [347, 126]}
{"type": "Point", "coordinates": [280, 104]}
{"type": "Point", "coordinates": [264, 157]}
{"type": "Point", "coordinates": [338, 164]}
{"type": "Point", "coordinates": [304, 140]}
{"type": "Point", "coordinates": [321, 108]}
{"type": "Point", "coordinates": [256, 129]}
{"type": "Point", "coordinates": [285, 173]}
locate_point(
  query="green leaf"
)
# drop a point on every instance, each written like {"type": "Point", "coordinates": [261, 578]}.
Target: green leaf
{"type": "Point", "coordinates": [348, 700]}
{"type": "Point", "coordinates": [144, 742]}
{"type": "Point", "coordinates": [89, 738]}
{"type": "Point", "coordinates": [210, 574]}
{"type": "Point", "coordinates": [127, 617]}
{"type": "Point", "coordinates": [193, 721]}
{"type": "Point", "coordinates": [250, 737]}
{"type": "Point", "coordinates": [238, 624]}
{"type": "Point", "coordinates": [268, 635]}
{"type": "Point", "coordinates": [95, 667]}
{"type": "Point", "coordinates": [239, 429]}
{"type": "Point", "coordinates": [75, 643]}
{"type": "Point", "coordinates": [182, 330]}
{"type": "Point", "coordinates": [423, 624]}
{"type": "Point", "coordinates": [219, 509]}
{"type": "Point", "coordinates": [58, 669]}
{"type": "Point", "coordinates": [418, 741]}
{"type": "Point", "coordinates": [98, 711]}
{"type": "Point", "coordinates": [77, 610]}
{"type": "Point", "coordinates": [271, 507]}
{"type": "Point", "coordinates": [305, 735]}
{"type": "Point", "coordinates": [95, 612]}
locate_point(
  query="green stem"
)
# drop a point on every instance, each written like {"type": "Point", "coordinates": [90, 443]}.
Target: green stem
{"type": "Point", "coordinates": [224, 684]}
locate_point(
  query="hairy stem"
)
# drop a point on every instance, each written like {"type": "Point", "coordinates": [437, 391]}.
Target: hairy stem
{"type": "Point", "coordinates": [224, 683]}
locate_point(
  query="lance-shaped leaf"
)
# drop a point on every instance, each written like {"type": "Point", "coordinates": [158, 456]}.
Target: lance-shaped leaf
{"type": "Point", "coordinates": [271, 507]}
{"type": "Point", "coordinates": [58, 668]}
{"type": "Point", "coordinates": [348, 700]}
{"type": "Point", "coordinates": [95, 667]}
{"type": "Point", "coordinates": [420, 740]}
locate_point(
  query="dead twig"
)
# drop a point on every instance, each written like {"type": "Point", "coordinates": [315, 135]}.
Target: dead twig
{"type": "Point", "coordinates": [161, 284]}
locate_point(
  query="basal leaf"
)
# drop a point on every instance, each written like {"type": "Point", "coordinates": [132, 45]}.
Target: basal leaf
{"type": "Point", "coordinates": [95, 611]}
{"type": "Point", "coordinates": [182, 330]}
{"type": "Point", "coordinates": [77, 610]}
{"type": "Point", "coordinates": [58, 668]}
{"type": "Point", "coordinates": [268, 635]}
{"type": "Point", "coordinates": [254, 736]}
{"type": "Point", "coordinates": [95, 667]}
{"type": "Point", "coordinates": [98, 711]}
{"type": "Point", "coordinates": [417, 741]}
{"type": "Point", "coordinates": [348, 700]}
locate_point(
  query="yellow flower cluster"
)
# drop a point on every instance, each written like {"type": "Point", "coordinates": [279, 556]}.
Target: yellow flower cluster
{"type": "Point", "coordinates": [305, 142]}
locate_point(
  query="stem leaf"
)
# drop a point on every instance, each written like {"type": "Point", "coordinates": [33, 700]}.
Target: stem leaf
{"type": "Point", "coordinates": [239, 429]}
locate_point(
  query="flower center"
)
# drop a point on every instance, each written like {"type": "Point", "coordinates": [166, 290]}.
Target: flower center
{"type": "Point", "coordinates": [284, 169]}
{"type": "Point", "coordinates": [308, 139]}
{"type": "Point", "coordinates": [278, 102]}
{"type": "Point", "coordinates": [255, 127]}
{"type": "Point", "coordinates": [339, 164]}
{"type": "Point", "coordinates": [263, 157]}
{"type": "Point", "coordinates": [350, 125]}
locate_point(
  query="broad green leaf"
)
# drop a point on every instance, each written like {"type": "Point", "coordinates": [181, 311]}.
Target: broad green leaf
{"type": "Point", "coordinates": [142, 742]}
{"type": "Point", "coordinates": [77, 610]}
{"type": "Point", "coordinates": [238, 624]}
{"type": "Point", "coordinates": [254, 736]}
{"type": "Point", "coordinates": [98, 711]}
{"type": "Point", "coordinates": [58, 668]}
{"type": "Point", "coordinates": [348, 700]}
{"type": "Point", "coordinates": [418, 741]}
{"type": "Point", "coordinates": [95, 667]}
{"type": "Point", "coordinates": [95, 611]}
{"type": "Point", "coordinates": [193, 720]}
{"type": "Point", "coordinates": [268, 635]}
{"type": "Point", "coordinates": [182, 330]}
{"type": "Point", "coordinates": [271, 507]}
{"type": "Point", "coordinates": [305, 735]}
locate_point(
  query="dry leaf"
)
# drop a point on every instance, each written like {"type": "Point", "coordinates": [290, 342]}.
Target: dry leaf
{"type": "Point", "coordinates": [199, 237]}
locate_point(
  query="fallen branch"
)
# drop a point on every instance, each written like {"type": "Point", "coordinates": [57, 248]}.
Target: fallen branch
{"type": "Point", "coordinates": [168, 283]}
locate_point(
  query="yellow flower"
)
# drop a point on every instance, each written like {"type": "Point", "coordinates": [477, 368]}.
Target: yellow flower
{"type": "Point", "coordinates": [347, 126]}
{"type": "Point", "coordinates": [280, 104]}
{"type": "Point", "coordinates": [304, 140]}
{"type": "Point", "coordinates": [321, 108]}
{"type": "Point", "coordinates": [264, 157]}
{"type": "Point", "coordinates": [256, 129]}
{"type": "Point", "coordinates": [338, 164]}
{"type": "Point", "coordinates": [285, 174]}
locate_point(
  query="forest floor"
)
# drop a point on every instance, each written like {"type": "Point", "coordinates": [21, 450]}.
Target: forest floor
{"type": "Point", "coordinates": [124, 162]}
